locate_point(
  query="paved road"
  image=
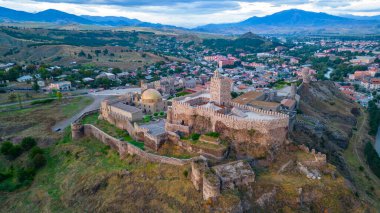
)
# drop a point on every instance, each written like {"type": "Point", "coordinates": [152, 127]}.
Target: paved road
{"type": "Point", "coordinates": [98, 98]}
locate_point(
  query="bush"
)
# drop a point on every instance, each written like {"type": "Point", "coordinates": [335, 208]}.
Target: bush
{"type": "Point", "coordinates": [4, 176]}
{"type": "Point", "coordinates": [195, 136]}
{"type": "Point", "coordinates": [155, 114]}
{"type": "Point", "coordinates": [213, 134]}
{"type": "Point", "coordinates": [39, 161]}
{"type": "Point", "coordinates": [185, 173]}
{"type": "Point", "coordinates": [24, 175]}
{"type": "Point", "coordinates": [162, 113]}
{"type": "Point", "coordinates": [14, 152]}
{"type": "Point", "coordinates": [28, 143]}
{"type": "Point", "coordinates": [46, 101]}
{"type": "Point", "coordinates": [35, 151]}
{"type": "Point", "coordinates": [5, 147]}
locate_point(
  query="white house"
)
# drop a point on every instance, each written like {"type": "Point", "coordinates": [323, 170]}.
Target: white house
{"type": "Point", "coordinates": [25, 78]}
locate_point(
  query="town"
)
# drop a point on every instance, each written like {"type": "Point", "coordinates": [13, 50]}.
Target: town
{"type": "Point", "coordinates": [184, 122]}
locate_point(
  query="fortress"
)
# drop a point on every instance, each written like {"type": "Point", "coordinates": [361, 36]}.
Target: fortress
{"type": "Point", "coordinates": [251, 132]}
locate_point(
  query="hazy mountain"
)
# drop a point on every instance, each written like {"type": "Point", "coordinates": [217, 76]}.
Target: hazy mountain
{"type": "Point", "coordinates": [288, 21]}
{"type": "Point", "coordinates": [9, 14]}
{"type": "Point", "coordinates": [361, 17]}
{"type": "Point", "coordinates": [291, 21]}
{"type": "Point", "coordinates": [56, 16]}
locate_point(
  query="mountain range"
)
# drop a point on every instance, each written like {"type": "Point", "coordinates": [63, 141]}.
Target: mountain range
{"type": "Point", "coordinates": [287, 21]}
{"type": "Point", "coordinates": [56, 16]}
{"type": "Point", "coordinates": [296, 21]}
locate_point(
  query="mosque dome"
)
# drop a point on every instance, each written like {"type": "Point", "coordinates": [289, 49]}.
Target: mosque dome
{"type": "Point", "coordinates": [151, 96]}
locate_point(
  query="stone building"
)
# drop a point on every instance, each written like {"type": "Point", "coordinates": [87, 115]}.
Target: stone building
{"type": "Point", "coordinates": [164, 85]}
{"type": "Point", "coordinates": [150, 101]}
{"type": "Point", "coordinates": [252, 132]}
{"type": "Point", "coordinates": [121, 110]}
{"type": "Point", "coordinates": [220, 89]}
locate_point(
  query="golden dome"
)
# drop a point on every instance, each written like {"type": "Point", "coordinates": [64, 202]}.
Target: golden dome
{"type": "Point", "coordinates": [151, 95]}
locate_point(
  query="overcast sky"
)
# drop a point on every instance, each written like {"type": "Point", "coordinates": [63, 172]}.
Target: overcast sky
{"type": "Point", "coordinates": [191, 13]}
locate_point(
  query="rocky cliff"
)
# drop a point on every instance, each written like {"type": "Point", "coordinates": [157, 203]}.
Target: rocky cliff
{"type": "Point", "coordinates": [325, 121]}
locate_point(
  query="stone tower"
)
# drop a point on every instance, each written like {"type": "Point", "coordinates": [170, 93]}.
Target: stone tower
{"type": "Point", "coordinates": [220, 89]}
{"type": "Point", "coordinates": [293, 91]}
{"type": "Point", "coordinates": [306, 75]}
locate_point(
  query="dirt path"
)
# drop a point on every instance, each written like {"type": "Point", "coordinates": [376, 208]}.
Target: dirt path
{"type": "Point", "coordinates": [359, 144]}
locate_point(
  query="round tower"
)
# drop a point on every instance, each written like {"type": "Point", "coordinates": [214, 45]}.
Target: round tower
{"type": "Point", "coordinates": [77, 131]}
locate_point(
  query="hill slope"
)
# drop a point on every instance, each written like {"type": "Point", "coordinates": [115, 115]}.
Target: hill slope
{"type": "Point", "coordinates": [333, 124]}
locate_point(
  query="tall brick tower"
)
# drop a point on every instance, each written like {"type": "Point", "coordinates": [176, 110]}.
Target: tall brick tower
{"type": "Point", "coordinates": [220, 89]}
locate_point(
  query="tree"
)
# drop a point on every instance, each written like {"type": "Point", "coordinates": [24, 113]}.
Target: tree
{"type": "Point", "coordinates": [28, 143]}
{"type": "Point", "coordinates": [5, 147]}
{"type": "Point", "coordinates": [10, 150]}
{"type": "Point", "coordinates": [105, 52]}
{"type": "Point", "coordinates": [35, 86]}
{"type": "Point", "coordinates": [97, 52]}
{"type": "Point", "coordinates": [19, 100]}
{"type": "Point", "coordinates": [59, 95]}
{"type": "Point", "coordinates": [35, 151]}
{"type": "Point", "coordinates": [39, 161]}
{"type": "Point", "coordinates": [12, 97]}
{"type": "Point", "coordinates": [82, 54]}
{"type": "Point", "coordinates": [31, 68]}
{"type": "Point", "coordinates": [43, 73]}
{"type": "Point", "coordinates": [14, 152]}
{"type": "Point", "coordinates": [116, 70]}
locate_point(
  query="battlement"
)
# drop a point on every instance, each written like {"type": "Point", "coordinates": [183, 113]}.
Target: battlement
{"type": "Point", "coordinates": [262, 125]}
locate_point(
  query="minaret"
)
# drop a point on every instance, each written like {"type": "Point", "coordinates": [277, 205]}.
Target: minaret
{"type": "Point", "coordinates": [220, 89]}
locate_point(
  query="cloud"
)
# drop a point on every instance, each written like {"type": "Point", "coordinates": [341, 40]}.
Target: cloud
{"type": "Point", "coordinates": [191, 13]}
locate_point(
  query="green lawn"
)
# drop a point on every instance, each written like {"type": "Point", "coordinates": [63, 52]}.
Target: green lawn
{"type": "Point", "coordinates": [111, 129]}
{"type": "Point", "coordinates": [179, 94]}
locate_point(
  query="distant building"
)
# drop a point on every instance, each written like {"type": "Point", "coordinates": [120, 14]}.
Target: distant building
{"type": "Point", "coordinates": [363, 60]}
{"type": "Point", "coordinates": [108, 75]}
{"type": "Point", "coordinates": [62, 86]}
{"type": "Point", "coordinates": [25, 78]}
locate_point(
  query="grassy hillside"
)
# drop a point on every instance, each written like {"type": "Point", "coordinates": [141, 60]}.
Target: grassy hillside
{"type": "Point", "coordinates": [38, 120]}
{"type": "Point", "coordinates": [86, 175]}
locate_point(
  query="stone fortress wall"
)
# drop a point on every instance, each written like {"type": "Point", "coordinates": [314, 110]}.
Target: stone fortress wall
{"type": "Point", "coordinates": [254, 137]}
{"type": "Point", "coordinates": [182, 108]}
{"type": "Point", "coordinates": [134, 130]}
{"type": "Point", "coordinates": [123, 148]}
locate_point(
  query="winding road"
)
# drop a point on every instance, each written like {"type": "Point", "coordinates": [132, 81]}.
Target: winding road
{"type": "Point", "coordinates": [98, 98]}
